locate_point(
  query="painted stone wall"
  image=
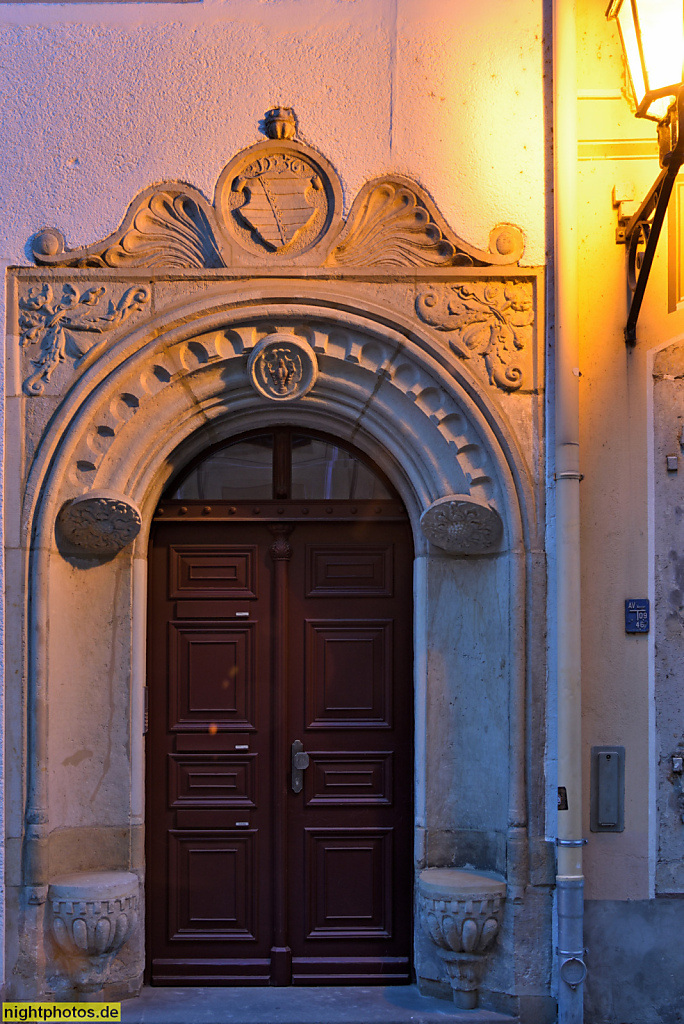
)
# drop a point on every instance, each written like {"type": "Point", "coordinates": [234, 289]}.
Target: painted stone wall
{"type": "Point", "coordinates": [668, 415]}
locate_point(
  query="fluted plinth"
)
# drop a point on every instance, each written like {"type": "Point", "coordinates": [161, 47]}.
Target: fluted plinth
{"type": "Point", "coordinates": [461, 912]}
{"type": "Point", "coordinates": [92, 915]}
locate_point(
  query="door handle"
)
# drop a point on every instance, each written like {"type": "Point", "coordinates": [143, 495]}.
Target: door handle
{"type": "Point", "coordinates": [300, 761]}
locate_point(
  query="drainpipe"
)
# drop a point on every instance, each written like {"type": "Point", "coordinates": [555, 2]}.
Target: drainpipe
{"type": "Point", "coordinates": [569, 877]}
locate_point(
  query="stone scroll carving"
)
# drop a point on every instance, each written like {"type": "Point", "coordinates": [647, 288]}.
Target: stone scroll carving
{"type": "Point", "coordinates": [282, 367]}
{"type": "Point", "coordinates": [394, 223]}
{"type": "Point", "coordinates": [165, 227]}
{"type": "Point", "coordinates": [461, 912]}
{"type": "Point", "coordinates": [92, 915]}
{"type": "Point", "coordinates": [462, 526]}
{"type": "Point", "coordinates": [281, 201]}
{"type": "Point", "coordinates": [70, 324]}
{"type": "Point", "coordinates": [99, 523]}
{"type": "Point", "coordinates": [492, 321]}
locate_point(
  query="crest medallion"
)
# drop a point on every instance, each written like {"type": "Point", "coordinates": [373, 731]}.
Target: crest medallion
{"type": "Point", "coordinates": [281, 367]}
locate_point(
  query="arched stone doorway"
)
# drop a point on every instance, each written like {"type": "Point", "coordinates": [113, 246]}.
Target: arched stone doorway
{"type": "Point", "coordinates": [146, 407]}
{"type": "Point", "coordinates": [195, 323]}
{"type": "Point", "coordinates": [279, 750]}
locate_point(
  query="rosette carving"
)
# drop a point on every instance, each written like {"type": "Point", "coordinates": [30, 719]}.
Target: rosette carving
{"type": "Point", "coordinates": [461, 525]}
{"type": "Point", "coordinates": [461, 912]}
{"type": "Point", "coordinates": [92, 915]}
{"type": "Point", "coordinates": [99, 523]}
{"type": "Point", "coordinates": [62, 327]}
{"type": "Point", "coordinates": [490, 320]}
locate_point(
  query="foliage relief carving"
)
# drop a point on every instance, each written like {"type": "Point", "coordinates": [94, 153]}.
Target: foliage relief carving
{"type": "Point", "coordinates": [392, 227]}
{"type": "Point", "coordinates": [492, 320]}
{"type": "Point", "coordinates": [62, 327]}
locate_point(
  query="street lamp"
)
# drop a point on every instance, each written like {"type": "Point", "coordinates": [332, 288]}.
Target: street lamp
{"type": "Point", "coordinates": [652, 36]}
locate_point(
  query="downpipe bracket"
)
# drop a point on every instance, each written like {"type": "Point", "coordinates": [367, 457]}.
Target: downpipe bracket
{"type": "Point", "coordinates": [573, 969]}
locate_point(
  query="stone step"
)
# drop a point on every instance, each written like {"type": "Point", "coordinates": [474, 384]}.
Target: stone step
{"type": "Point", "coordinates": [397, 1004]}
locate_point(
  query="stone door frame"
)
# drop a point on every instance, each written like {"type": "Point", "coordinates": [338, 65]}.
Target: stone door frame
{"type": "Point", "coordinates": [127, 413]}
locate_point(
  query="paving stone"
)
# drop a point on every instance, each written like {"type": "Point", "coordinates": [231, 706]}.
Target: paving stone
{"type": "Point", "coordinates": [324, 1005]}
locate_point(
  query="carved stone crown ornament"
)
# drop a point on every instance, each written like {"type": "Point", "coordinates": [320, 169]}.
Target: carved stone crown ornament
{"type": "Point", "coordinates": [280, 201]}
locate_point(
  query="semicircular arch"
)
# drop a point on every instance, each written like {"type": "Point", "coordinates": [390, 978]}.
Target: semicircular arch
{"type": "Point", "coordinates": [179, 382]}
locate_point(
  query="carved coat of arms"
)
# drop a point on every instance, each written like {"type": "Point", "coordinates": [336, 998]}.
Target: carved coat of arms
{"type": "Point", "coordinates": [279, 192]}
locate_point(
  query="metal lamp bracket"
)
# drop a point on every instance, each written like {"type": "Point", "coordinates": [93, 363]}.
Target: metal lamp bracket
{"type": "Point", "coordinates": [643, 229]}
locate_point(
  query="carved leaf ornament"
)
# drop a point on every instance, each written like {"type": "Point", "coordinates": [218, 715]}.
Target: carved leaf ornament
{"type": "Point", "coordinates": [56, 325]}
{"type": "Point", "coordinates": [393, 227]}
{"type": "Point", "coordinates": [491, 320]}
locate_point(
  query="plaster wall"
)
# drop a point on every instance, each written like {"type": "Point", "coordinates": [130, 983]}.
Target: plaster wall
{"type": "Point", "coordinates": [102, 100]}
{"type": "Point", "coordinates": [617, 462]}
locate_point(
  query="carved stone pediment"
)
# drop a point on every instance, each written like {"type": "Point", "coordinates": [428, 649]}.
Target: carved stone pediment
{"type": "Point", "coordinates": [280, 202]}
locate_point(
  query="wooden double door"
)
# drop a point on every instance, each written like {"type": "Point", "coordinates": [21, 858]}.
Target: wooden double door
{"type": "Point", "coordinates": [280, 769]}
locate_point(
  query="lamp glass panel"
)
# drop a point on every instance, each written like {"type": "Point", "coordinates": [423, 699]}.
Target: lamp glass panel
{"type": "Point", "coordinates": [630, 44]}
{"type": "Point", "coordinates": [662, 40]}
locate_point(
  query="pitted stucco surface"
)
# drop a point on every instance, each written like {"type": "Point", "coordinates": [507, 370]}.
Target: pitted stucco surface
{"type": "Point", "coordinates": [102, 101]}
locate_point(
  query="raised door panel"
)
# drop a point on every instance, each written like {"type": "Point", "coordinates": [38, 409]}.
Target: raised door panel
{"type": "Point", "coordinates": [340, 778]}
{"type": "Point", "coordinates": [216, 571]}
{"type": "Point", "coordinates": [217, 780]}
{"type": "Point", "coordinates": [349, 892]}
{"type": "Point", "coordinates": [348, 674]}
{"type": "Point", "coordinates": [211, 886]}
{"type": "Point", "coordinates": [211, 675]}
{"type": "Point", "coordinates": [349, 571]}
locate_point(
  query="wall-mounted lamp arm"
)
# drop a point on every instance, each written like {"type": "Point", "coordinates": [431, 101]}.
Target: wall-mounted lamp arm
{"type": "Point", "coordinates": [646, 224]}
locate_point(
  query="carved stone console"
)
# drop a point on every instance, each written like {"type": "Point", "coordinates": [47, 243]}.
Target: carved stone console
{"type": "Point", "coordinates": [99, 523]}
{"type": "Point", "coordinates": [461, 525]}
{"type": "Point", "coordinates": [92, 915]}
{"type": "Point", "coordinates": [461, 912]}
